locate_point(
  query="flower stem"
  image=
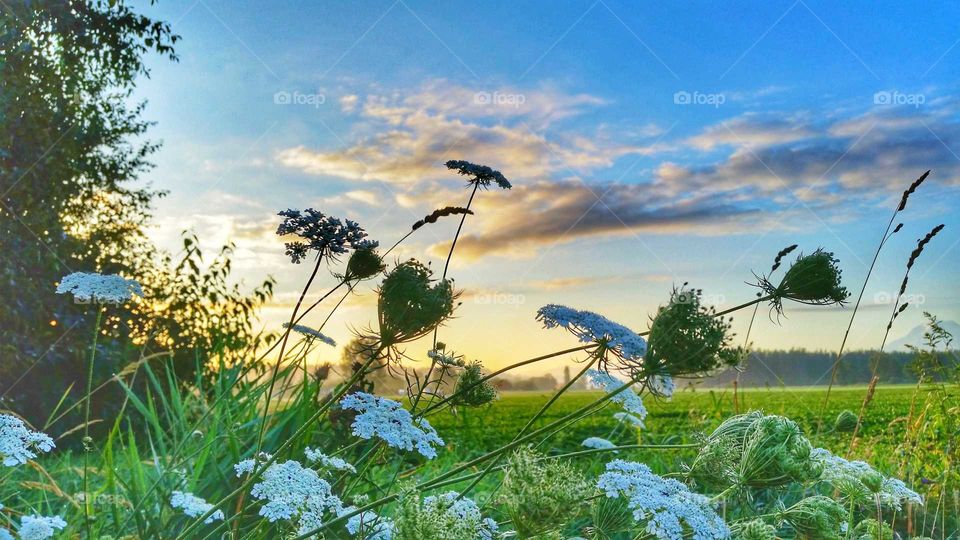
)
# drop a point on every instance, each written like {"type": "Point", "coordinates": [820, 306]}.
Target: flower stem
{"type": "Point", "coordinates": [86, 426]}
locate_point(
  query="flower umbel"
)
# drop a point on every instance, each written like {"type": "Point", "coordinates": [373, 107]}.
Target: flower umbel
{"type": "Point", "coordinates": [665, 505]}
{"type": "Point", "coordinates": [19, 444]}
{"type": "Point", "coordinates": [327, 235]}
{"type": "Point", "coordinates": [441, 517]}
{"type": "Point", "coordinates": [295, 492]}
{"type": "Point", "coordinates": [330, 462]}
{"type": "Point", "coordinates": [410, 304]}
{"type": "Point", "coordinates": [861, 482]}
{"type": "Point", "coordinates": [99, 288]}
{"type": "Point", "coordinates": [40, 527]}
{"type": "Point", "coordinates": [812, 279]}
{"type": "Point", "coordinates": [589, 327]}
{"type": "Point", "coordinates": [194, 506]}
{"type": "Point", "coordinates": [480, 175]}
{"type": "Point", "coordinates": [628, 399]}
{"type": "Point", "coordinates": [311, 333]}
{"type": "Point", "coordinates": [597, 443]}
{"type": "Point", "coordinates": [388, 420]}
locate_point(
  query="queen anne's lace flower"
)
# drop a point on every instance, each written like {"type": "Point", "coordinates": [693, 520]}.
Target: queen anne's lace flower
{"type": "Point", "coordinates": [311, 333]}
{"type": "Point", "coordinates": [368, 525]}
{"type": "Point", "coordinates": [628, 399]}
{"type": "Point", "coordinates": [445, 359]}
{"type": "Point", "coordinates": [295, 492]}
{"type": "Point", "coordinates": [329, 462]}
{"type": "Point", "coordinates": [661, 385]}
{"type": "Point", "coordinates": [40, 527]}
{"type": "Point", "coordinates": [326, 234]}
{"type": "Point", "coordinates": [598, 443]}
{"type": "Point", "coordinates": [388, 420]}
{"type": "Point", "coordinates": [464, 513]}
{"type": "Point", "coordinates": [18, 444]}
{"type": "Point", "coordinates": [481, 174]}
{"type": "Point", "coordinates": [5, 535]}
{"type": "Point", "coordinates": [98, 288]}
{"type": "Point", "coordinates": [666, 505]}
{"type": "Point", "coordinates": [591, 327]}
{"type": "Point", "coordinates": [628, 418]}
{"type": "Point", "coordinates": [858, 478]}
{"type": "Point", "coordinates": [194, 506]}
{"type": "Point", "coordinates": [247, 466]}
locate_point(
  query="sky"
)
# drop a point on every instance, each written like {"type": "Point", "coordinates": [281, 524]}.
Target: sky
{"type": "Point", "coordinates": [649, 145]}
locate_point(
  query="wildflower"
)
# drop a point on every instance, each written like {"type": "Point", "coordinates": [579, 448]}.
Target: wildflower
{"type": "Point", "coordinates": [327, 235]}
{"type": "Point", "coordinates": [441, 517]}
{"type": "Point", "coordinates": [481, 175]}
{"type": "Point", "coordinates": [756, 529]}
{"type": "Point", "coordinates": [628, 418]}
{"type": "Point", "coordinates": [311, 333]}
{"type": "Point", "coordinates": [812, 279]}
{"type": "Point", "coordinates": [5, 535]}
{"type": "Point", "coordinates": [471, 389]}
{"type": "Point", "coordinates": [846, 421]}
{"type": "Point", "coordinates": [661, 385]}
{"type": "Point", "coordinates": [247, 466]}
{"type": "Point", "coordinates": [817, 517]}
{"type": "Point", "coordinates": [368, 525]}
{"type": "Point", "coordinates": [18, 444]}
{"type": "Point", "coordinates": [388, 420]}
{"type": "Point", "coordinates": [364, 263]}
{"type": "Point", "coordinates": [687, 338]}
{"type": "Point", "coordinates": [40, 527]}
{"type": "Point", "coordinates": [331, 462]}
{"type": "Point", "coordinates": [541, 495]}
{"type": "Point", "coordinates": [591, 327]}
{"type": "Point", "coordinates": [410, 307]}
{"type": "Point", "coordinates": [665, 505]}
{"type": "Point", "coordinates": [755, 450]}
{"type": "Point", "coordinates": [295, 492]}
{"type": "Point", "coordinates": [628, 399]}
{"type": "Point", "coordinates": [597, 443]}
{"type": "Point", "coordinates": [871, 529]}
{"type": "Point", "coordinates": [440, 356]}
{"type": "Point", "coordinates": [99, 288]}
{"type": "Point", "coordinates": [194, 506]}
{"type": "Point", "coordinates": [432, 217]}
{"type": "Point", "coordinates": [859, 481]}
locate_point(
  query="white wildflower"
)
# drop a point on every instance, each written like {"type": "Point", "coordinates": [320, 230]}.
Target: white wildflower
{"type": "Point", "coordinates": [598, 443]}
{"type": "Point", "coordinates": [40, 527]}
{"type": "Point", "coordinates": [628, 418]}
{"type": "Point", "coordinates": [247, 466]}
{"type": "Point", "coordinates": [665, 505]}
{"type": "Point", "coordinates": [194, 506]}
{"type": "Point", "coordinates": [330, 462]}
{"type": "Point", "coordinates": [465, 514]}
{"type": "Point", "coordinates": [445, 359]}
{"type": "Point", "coordinates": [295, 492]}
{"type": "Point", "coordinates": [628, 399]}
{"type": "Point", "coordinates": [857, 478]}
{"type": "Point", "coordinates": [311, 333]}
{"type": "Point", "coordinates": [18, 444]}
{"type": "Point", "coordinates": [99, 288]}
{"type": "Point", "coordinates": [368, 525]}
{"type": "Point", "coordinates": [661, 385]}
{"type": "Point", "coordinates": [5, 535]}
{"type": "Point", "coordinates": [591, 327]}
{"type": "Point", "coordinates": [388, 420]}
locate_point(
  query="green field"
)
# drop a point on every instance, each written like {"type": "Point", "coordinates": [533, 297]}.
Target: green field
{"type": "Point", "coordinates": [684, 418]}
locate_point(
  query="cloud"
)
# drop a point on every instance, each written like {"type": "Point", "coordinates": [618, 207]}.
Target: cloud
{"type": "Point", "coordinates": [413, 134]}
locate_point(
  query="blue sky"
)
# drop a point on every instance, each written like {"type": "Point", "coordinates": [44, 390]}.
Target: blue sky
{"type": "Point", "coordinates": [649, 145]}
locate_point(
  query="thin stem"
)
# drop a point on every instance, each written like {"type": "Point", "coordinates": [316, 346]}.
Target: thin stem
{"type": "Point", "coordinates": [86, 425]}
